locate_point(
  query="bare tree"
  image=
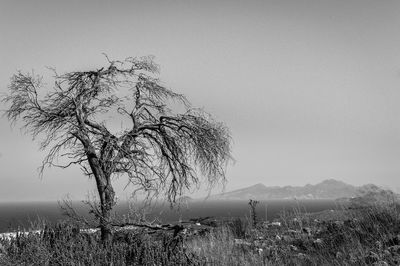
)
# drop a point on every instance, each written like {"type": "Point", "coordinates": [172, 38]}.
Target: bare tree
{"type": "Point", "coordinates": [158, 149]}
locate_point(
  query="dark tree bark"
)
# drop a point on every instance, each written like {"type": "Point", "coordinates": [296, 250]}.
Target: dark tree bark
{"type": "Point", "coordinates": [107, 201]}
{"type": "Point", "coordinates": [107, 198]}
{"type": "Point", "coordinates": [157, 149]}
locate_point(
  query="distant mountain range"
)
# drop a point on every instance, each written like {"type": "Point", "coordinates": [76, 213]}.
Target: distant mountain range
{"type": "Point", "coordinates": [328, 189]}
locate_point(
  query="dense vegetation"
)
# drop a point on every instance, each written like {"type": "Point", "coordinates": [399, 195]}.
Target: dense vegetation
{"type": "Point", "coordinates": [369, 235]}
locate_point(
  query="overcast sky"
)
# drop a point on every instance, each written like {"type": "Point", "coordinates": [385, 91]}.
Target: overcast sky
{"type": "Point", "coordinates": [309, 89]}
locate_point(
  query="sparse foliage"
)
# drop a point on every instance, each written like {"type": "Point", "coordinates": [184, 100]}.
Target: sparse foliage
{"type": "Point", "coordinates": [159, 150]}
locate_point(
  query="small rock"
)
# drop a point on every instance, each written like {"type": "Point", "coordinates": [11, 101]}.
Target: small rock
{"type": "Point", "coordinates": [318, 241]}
{"type": "Point", "coordinates": [275, 224]}
{"type": "Point", "coordinates": [260, 251]}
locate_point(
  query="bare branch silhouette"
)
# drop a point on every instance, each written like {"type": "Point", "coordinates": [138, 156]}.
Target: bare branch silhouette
{"type": "Point", "coordinates": [159, 150]}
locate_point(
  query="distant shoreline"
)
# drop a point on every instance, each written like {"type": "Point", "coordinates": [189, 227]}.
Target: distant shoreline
{"type": "Point", "coordinates": [23, 214]}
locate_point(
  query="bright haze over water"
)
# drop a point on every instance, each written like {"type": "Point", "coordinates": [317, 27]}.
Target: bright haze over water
{"type": "Point", "coordinates": [310, 89]}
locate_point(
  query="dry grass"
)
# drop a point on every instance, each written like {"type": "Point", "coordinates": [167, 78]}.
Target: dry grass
{"type": "Point", "coordinates": [368, 236]}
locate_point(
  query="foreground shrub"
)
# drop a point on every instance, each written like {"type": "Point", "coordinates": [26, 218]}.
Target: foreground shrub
{"type": "Point", "coordinates": [367, 236]}
{"type": "Point", "coordinates": [64, 245]}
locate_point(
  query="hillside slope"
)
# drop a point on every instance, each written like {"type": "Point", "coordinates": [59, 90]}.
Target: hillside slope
{"type": "Point", "coordinates": [327, 189]}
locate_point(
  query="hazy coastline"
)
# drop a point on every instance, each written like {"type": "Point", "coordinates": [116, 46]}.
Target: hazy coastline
{"type": "Point", "coordinates": [14, 215]}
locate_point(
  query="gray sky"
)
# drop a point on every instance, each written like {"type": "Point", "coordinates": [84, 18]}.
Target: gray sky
{"type": "Point", "coordinates": [309, 89]}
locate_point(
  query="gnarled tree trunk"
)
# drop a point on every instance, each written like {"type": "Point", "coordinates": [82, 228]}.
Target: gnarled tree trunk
{"type": "Point", "coordinates": [106, 195]}
{"type": "Point", "coordinates": [107, 201]}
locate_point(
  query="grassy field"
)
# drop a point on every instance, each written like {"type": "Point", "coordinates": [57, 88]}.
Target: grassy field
{"type": "Point", "coordinates": [364, 236]}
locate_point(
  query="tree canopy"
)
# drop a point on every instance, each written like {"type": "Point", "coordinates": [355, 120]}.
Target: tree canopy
{"type": "Point", "coordinates": [157, 148]}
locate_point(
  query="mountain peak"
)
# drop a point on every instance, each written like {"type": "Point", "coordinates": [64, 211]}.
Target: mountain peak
{"type": "Point", "coordinates": [332, 181]}
{"type": "Point", "coordinates": [258, 186]}
{"type": "Point", "coordinates": [327, 189]}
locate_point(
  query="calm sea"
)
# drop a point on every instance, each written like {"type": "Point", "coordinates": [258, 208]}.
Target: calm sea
{"type": "Point", "coordinates": [22, 214]}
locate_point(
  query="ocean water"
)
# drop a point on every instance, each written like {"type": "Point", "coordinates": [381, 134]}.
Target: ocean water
{"type": "Point", "coordinates": [19, 215]}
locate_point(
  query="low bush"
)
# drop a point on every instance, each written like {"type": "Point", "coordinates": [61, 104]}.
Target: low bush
{"type": "Point", "coordinates": [366, 236]}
